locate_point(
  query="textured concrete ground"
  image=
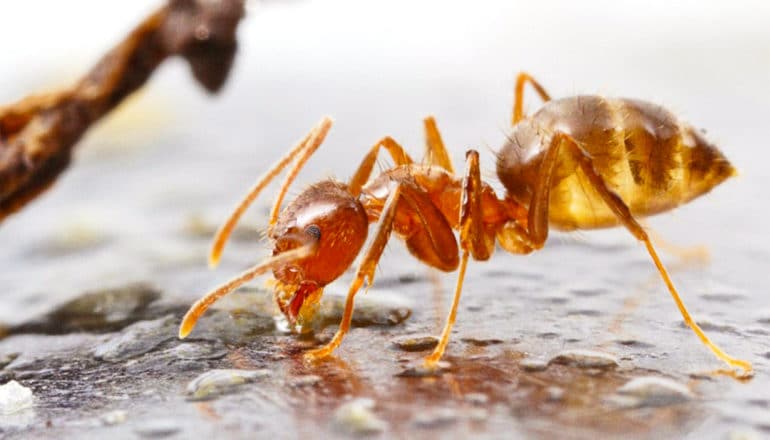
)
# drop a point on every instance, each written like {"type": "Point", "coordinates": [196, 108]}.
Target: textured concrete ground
{"type": "Point", "coordinates": [97, 274]}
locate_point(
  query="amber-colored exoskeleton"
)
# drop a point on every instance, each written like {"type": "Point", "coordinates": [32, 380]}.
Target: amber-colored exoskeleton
{"type": "Point", "coordinates": [578, 163]}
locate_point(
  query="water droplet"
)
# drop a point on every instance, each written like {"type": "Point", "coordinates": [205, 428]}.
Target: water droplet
{"type": "Point", "coordinates": [415, 342]}
{"type": "Point", "coordinates": [423, 371]}
{"type": "Point", "coordinates": [477, 398]}
{"type": "Point", "coordinates": [114, 417]}
{"type": "Point", "coordinates": [435, 418]}
{"type": "Point", "coordinates": [585, 359]}
{"type": "Point", "coordinates": [653, 391]}
{"type": "Point", "coordinates": [306, 381]}
{"type": "Point", "coordinates": [14, 398]}
{"type": "Point", "coordinates": [530, 364]}
{"type": "Point", "coordinates": [554, 394]}
{"type": "Point", "coordinates": [217, 382]}
{"type": "Point", "coordinates": [356, 417]}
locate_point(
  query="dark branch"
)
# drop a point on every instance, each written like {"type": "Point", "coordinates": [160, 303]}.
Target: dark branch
{"type": "Point", "coordinates": [38, 133]}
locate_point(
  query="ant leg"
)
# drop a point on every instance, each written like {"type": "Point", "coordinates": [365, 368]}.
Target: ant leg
{"type": "Point", "coordinates": [518, 103]}
{"type": "Point", "coordinates": [537, 222]}
{"type": "Point", "coordinates": [473, 240]}
{"type": "Point", "coordinates": [432, 242]}
{"type": "Point", "coordinates": [361, 176]}
{"type": "Point", "coordinates": [623, 213]}
{"type": "Point", "coordinates": [473, 237]}
{"type": "Point", "coordinates": [436, 153]}
{"type": "Point", "coordinates": [312, 140]}
{"type": "Point", "coordinates": [512, 236]}
{"type": "Point", "coordinates": [365, 273]}
{"type": "Point", "coordinates": [200, 306]}
{"type": "Point", "coordinates": [432, 359]}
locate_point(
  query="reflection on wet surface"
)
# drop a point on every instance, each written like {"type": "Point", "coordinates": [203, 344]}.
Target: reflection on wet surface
{"type": "Point", "coordinates": [579, 340]}
{"type": "Point", "coordinates": [238, 362]}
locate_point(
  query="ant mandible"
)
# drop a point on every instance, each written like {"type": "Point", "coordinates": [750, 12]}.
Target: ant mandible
{"type": "Point", "coordinates": [578, 163]}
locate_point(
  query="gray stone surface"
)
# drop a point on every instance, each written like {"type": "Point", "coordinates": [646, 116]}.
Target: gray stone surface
{"type": "Point", "coordinates": [98, 273]}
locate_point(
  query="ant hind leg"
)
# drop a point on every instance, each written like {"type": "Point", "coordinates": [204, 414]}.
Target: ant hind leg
{"type": "Point", "coordinates": [516, 239]}
{"type": "Point", "coordinates": [623, 213]}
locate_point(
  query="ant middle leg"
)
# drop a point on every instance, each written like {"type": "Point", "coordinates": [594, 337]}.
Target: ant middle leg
{"type": "Point", "coordinates": [364, 170]}
{"type": "Point", "coordinates": [518, 102]}
{"type": "Point", "coordinates": [435, 151]}
{"type": "Point", "coordinates": [473, 240]}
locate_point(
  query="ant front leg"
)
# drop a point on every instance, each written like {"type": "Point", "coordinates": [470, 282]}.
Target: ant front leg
{"type": "Point", "coordinates": [473, 240]}
{"type": "Point", "coordinates": [518, 102]}
{"type": "Point", "coordinates": [436, 153]}
{"type": "Point", "coordinates": [365, 273]}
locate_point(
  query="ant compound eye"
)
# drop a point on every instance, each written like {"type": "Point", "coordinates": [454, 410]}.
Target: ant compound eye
{"type": "Point", "coordinates": [314, 231]}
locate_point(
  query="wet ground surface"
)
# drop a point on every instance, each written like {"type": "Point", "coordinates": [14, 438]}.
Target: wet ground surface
{"type": "Point", "coordinates": [580, 340]}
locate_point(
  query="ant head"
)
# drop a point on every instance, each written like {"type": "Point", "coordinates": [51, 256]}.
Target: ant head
{"type": "Point", "coordinates": [335, 223]}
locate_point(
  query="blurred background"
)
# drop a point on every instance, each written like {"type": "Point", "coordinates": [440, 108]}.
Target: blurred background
{"type": "Point", "coordinates": [151, 183]}
{"type": "Point", "coordinates": [172, 154]}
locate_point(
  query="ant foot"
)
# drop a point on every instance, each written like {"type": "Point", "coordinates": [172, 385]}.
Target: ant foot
{"type": "Point", "coordinates": [320, 353]}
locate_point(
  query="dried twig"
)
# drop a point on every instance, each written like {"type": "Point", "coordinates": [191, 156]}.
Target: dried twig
{"type": "Point", "coordinates": [38, 133]}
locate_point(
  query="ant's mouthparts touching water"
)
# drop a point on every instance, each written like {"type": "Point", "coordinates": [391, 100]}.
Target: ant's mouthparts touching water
{"type": "Point", "coordinates": [580, 162]}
